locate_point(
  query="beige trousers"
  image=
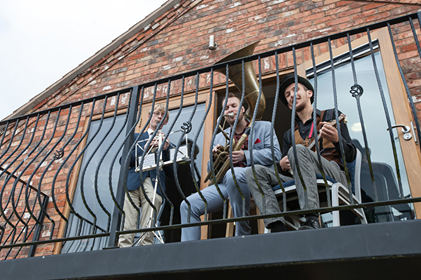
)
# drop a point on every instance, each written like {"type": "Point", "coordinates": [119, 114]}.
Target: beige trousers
{"type": "Point", "coordinates": [130, 221]}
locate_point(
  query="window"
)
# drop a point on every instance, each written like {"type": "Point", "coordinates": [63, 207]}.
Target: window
{"type": "Point", "coordinates": [92, 215]}
{"type": "Point", "coordinates": [82, 223]}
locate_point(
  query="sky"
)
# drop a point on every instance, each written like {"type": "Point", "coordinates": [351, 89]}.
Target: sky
{"type": "Point", "coordinates": [43, 40]}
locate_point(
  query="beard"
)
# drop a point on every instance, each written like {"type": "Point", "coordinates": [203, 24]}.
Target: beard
{"type": "Point", "coordinates": [300, 107]}
{"type": "Point", "coordinates": [231, 121]}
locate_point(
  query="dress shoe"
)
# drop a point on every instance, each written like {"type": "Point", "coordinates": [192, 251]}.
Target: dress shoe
{"type": "Point", "coordinates": [277, 226]}
{"type": "Point", "coordinates": [310, 223]}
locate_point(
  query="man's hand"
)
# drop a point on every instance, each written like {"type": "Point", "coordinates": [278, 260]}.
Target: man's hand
{"type": "Point", "coordinates": [284, 163]}
{"type": "Point", "coordinates": [216, 151]}
{"type": "Point", "coordinates": [329, 132]}
{"type": "Point", "coordinates": [155, 142]}
{"type": "Point", "coordinates": [238, 156]}
{"type": "Point", "coordinates": [166, 145]}
{"type": "Point", "coordinates": [216, 148]}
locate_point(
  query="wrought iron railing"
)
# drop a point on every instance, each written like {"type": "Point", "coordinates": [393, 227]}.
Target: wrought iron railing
{"type": "Point", "coordinates": [64, 169]}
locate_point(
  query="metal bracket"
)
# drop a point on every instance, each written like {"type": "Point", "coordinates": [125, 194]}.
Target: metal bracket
{"type": "Point", "coordinates": [415, 135]}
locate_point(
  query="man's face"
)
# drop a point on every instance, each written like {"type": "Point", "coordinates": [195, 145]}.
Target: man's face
{"type": "Point", "coordinates": [232, 108]}
{"type": "Point", "coordinates": [157, 116]}
{"type": "Point", "coordinates": [303, 97]}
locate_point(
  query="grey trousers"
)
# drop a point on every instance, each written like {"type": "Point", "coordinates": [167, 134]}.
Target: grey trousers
{"type": "Point", "coordinates": [215, 203]}
{"type": "Point", "coordinates": [266, 177]}
{"type": "Point", "coordinates": [130, 221]}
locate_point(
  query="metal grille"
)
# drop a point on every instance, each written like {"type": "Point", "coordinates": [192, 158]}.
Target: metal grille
{"type": "Point", "coordinates": [82, 149]}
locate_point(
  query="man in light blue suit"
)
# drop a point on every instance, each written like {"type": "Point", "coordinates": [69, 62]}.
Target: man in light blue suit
{"type": "Point", "coordinates": [148, 178]}
{"type": "Point", "coordinates": [262, 155]}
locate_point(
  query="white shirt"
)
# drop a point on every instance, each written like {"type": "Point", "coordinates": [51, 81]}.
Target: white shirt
{"type": "Point", "coordinates": [150, 132]}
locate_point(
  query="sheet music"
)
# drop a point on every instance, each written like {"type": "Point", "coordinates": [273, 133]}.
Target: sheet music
{"type": "Point", "coordinates": [181, 155]}
{"type": "Point", "coordinates": [149, 161]}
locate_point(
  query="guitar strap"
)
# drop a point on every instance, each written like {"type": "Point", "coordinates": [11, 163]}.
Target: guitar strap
{"type": "Point", "coordinates": [327, 148]}
{"type": "Point", "coordinates": [310, 137]}
{"type": "Point", "coordinates": [325, 115]}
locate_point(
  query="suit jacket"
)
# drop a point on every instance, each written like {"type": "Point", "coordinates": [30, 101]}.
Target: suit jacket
{"type": "Point", "coordinates": [262, 153]}
{"type": "Point", "coordinates": [133, 178]}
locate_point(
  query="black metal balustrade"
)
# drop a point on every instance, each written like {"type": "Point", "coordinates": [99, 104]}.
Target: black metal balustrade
{"type": "Point", "coordinates": [63, 170]}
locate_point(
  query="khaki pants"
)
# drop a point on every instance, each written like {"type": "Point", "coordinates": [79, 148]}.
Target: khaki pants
{"type": "Point", "coordinates": [130, 221]}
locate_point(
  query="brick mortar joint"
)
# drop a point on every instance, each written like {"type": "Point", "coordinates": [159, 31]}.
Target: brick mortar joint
{"type": "Point", "coordinates": [384, 2]}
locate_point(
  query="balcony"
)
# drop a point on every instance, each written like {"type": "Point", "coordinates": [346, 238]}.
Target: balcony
{"type": "Point", "coordinates": [63, 171]}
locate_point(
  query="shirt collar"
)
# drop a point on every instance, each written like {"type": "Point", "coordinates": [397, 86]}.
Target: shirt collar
{"type": "Point", "coordinates": [150, 131]}
{"type": "Point", "coordinates": [318, 113]}
{"type": "Point", "coordinates": [247, 124]}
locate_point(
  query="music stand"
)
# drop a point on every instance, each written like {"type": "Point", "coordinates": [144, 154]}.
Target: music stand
{"type": "Point", "coordinates": [149, 163]}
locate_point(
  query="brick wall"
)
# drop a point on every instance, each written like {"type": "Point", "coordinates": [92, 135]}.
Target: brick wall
{"type": "Point", "coordinates": [177, 41]}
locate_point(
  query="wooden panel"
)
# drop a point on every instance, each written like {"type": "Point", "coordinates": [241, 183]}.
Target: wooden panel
{"type": "Point", "coordinates": [207, 136]}
{"type": "Point", "coordinates": [402, 113]}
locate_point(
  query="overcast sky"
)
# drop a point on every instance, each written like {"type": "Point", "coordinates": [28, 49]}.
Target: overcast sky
{"type": "Point", "coordinates": [42, 40]}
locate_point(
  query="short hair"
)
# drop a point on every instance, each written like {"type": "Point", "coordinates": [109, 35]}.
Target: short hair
{"type": "Point", "coordinates": [236, 95]}
{"type": "Point", "coordinates": [232, 94]}
{"type": "Point", "coordinates": [160, 108]}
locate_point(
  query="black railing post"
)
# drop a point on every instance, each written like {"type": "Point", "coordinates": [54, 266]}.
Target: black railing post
{"type": "Point", "coordinates": [38, 229]}
{"type": "Point", "coordinates": [124, 168]}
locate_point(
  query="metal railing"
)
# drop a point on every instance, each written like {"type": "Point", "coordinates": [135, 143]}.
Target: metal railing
{"type": "Point", "coordinates": [64, 170]}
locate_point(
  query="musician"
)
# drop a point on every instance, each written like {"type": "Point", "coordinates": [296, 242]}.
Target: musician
{"type": "Point", "coordinates": [148, 178]}
{"type": "Point", "coordinates": [241, 159]}
{"type": "Point", "coordinates": [308, 160]}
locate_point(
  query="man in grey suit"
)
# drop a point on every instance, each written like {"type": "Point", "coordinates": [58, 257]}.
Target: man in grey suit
{"type": "Point", "coordinates": [262, 155]}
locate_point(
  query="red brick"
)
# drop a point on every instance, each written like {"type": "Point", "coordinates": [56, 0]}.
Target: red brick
{"type": "Point", "coordinates": [407, 48]}
{"type": "Point", "coordinates": [377, 17]}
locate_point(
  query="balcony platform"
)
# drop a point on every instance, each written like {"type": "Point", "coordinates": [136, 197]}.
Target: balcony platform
{"type": "Point", "coordinates": [374, 251]}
